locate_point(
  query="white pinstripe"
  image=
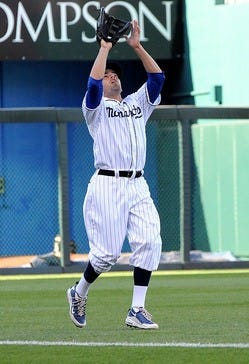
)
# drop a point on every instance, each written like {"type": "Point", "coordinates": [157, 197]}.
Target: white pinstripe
{"type": "Point", "coordinates": [116, 207]}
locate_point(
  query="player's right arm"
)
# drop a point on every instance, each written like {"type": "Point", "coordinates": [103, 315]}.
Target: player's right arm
{"type": "Point", "coordinates": [94, 86]}
{"type": "Point", "coordinates": [99, 65]}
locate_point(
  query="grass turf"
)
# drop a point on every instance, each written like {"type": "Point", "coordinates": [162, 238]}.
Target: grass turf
{"type": "Point", "coordinates": [190, 308]}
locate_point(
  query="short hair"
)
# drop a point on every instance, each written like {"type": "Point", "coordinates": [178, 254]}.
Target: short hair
{"type": "Point", "coordinates": [114, 67]}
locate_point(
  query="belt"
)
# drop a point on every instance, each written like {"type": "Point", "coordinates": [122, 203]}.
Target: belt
{"type": "Point", "coordinates": [109, 172]}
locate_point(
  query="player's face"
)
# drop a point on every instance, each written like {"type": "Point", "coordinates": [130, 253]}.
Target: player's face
{"type": "Point", "coordinates": [111, 82]}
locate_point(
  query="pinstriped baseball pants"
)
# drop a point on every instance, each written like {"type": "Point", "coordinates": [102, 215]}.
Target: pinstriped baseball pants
{"type": "Point", "coordinates": [115, 208]}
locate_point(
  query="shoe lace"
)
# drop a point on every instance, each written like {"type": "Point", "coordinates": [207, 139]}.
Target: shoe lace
{"type": "Point", "coordinates": [145, 313]}
{"type": "Point", "coordinates": [79, 305]}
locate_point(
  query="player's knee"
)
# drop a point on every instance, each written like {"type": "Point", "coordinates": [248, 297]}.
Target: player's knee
{"type": "Point", "coordinates": [101, 265]}
{"type": "Point", "coordinates": [147, 255]}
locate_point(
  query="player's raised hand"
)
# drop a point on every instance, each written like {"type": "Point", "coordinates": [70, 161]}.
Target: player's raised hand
{"type": "Point", "coordinates": [105, 44]}
{"type": "Point", "coordinates": [134, 39]}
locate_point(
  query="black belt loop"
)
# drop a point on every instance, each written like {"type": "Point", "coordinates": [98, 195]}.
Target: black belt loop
{"type": "Point", "coordinates": [111, 173]}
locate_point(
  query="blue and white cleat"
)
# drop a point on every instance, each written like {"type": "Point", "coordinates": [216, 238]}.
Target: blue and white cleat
{"type": "Point", "coordinates": [77, 307]}
{"type": "Point", "coordinates": [139, 318]}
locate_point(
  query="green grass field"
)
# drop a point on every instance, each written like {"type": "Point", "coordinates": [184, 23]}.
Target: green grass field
{"type": "Point", "coordinates": [203, 318]}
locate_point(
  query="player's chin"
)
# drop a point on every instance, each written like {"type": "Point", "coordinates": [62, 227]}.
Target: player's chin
{"type": "Point", "coordinates": [116, 88]}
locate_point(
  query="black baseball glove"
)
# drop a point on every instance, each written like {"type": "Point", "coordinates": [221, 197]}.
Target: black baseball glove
{"type": "Point", "coordinates": [111, 29]}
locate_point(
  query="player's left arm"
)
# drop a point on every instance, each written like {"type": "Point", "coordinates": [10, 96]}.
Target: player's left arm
{"type": "Point", "coordinates": [155, 83]}
{"type": "Point", "coordinates": [133, 41]}
{"type": "Point", "coordinates": [156, 76]}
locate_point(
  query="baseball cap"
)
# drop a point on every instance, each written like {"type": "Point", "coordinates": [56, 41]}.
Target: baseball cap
{"type": "Point", "coordinates": [114, 67]}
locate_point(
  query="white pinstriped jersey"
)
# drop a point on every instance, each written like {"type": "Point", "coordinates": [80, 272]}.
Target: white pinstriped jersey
{"type": "Point", "coordinates": [118, 130]}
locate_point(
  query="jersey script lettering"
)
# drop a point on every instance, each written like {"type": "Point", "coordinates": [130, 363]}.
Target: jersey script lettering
{"type": "Point", "coordinates": [135, 111]}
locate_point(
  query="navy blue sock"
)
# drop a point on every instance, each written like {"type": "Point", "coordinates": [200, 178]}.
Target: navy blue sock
{"type": "Point", "coordinates": [141, 276]}
{"type": "Point", "coordinates": [90, 275]}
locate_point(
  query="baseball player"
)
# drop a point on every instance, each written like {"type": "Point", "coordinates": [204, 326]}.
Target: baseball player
{"type": "Point", "coordinates": [118, 202]}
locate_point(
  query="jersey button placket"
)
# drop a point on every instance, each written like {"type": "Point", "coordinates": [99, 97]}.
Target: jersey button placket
{"type": "Point", "coordinates": [133, 140]}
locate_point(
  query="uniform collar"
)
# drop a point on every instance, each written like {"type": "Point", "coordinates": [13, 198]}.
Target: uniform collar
{"type": "Point", "coordinates": [108, 99]}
